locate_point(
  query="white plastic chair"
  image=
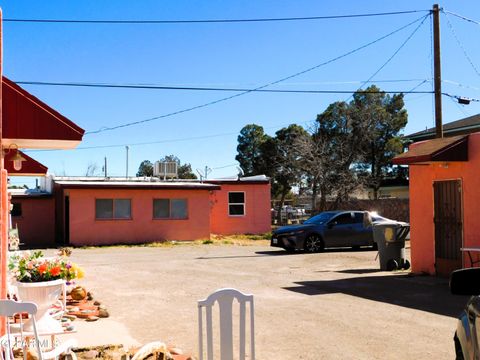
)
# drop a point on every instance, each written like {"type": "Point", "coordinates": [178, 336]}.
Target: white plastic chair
{"type": "Point", "coordinates": [17, 338]}
{"type": "Point", "coordinates": [225, 298]}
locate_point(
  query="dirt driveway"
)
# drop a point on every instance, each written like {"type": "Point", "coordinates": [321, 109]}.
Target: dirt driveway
{"type": "Point", "coordinates": [333, 305]}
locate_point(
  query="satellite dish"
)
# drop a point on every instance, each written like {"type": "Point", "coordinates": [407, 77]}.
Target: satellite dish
{"type": "Point", "coordinates": [240, 171]}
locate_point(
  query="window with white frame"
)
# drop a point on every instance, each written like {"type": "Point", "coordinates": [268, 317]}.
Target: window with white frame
{"type": "Point", "coordinates": [113, 209]}
{"type": "Point", "coordinates": [236, 203]}
{"type": "Point", "coordinates": [176, 209]}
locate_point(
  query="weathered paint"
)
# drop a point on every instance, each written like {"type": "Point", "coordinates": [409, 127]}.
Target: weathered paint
{"type": "Point", "coordinates": [257, 218]}
{"type": "Point", "coordinates": [36, 225]}
{"type": "Point", "coordinates": [141, 228]}
{"type": "Point", "coordinates": [421, 204]}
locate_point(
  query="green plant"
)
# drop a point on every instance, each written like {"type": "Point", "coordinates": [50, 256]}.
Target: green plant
{"type": "Point", "coordinates": [207, 242]}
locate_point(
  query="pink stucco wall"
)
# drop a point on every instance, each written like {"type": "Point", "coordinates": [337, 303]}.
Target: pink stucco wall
{"type": "Point", "coordinates": [36, 225]}
{"type": "Point", "coordinates": [421, 204]}
{"type": "Point", "coordinates": [257, 219]}
{"type": "Point", "coordinates": [86, 230]}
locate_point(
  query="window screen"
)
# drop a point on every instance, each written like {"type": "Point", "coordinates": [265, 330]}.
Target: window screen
{"type": "Point", "coordinates": [170, 209]}
{"type": "Point", "coordinates": [178, 208]}
{"type": "Point", "coordinates": [161, 208]}
{"type": "Point", "coordinates": [104, 208]}
{"type": "Point", "coordinates": [113, 209]}
{"type": "Point", "coordinates": [236, 203]}
{"type": "Point", "coordinates": [122, 209]}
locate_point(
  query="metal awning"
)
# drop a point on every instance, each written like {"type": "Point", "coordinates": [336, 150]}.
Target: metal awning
{"type": "Point", "coordinates": [30, 123]}
{"type": "Point", "coordinates": [438, 150]}
{"type": "Point", "coordinates": [30, 167]}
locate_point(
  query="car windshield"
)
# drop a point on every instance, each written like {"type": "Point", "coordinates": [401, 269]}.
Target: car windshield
{"type": "Point", "coordinates": [320, 218]}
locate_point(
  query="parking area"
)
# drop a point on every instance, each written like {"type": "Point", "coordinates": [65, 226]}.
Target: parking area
{"type": "Point", "coordinates": [331, 305]}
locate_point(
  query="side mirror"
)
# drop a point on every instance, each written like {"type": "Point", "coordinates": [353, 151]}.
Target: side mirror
{"type": "Point", "coordinates": [465, 282]}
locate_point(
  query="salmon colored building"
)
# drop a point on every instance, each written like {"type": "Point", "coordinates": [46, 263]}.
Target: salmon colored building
{"type": "Point", "coordinates": [106, 211]}
{"type": "Point", "coordinates": [444, 202]}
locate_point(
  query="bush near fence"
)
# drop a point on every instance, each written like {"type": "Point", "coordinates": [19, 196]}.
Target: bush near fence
{"type": "Point", "coordinates": [397, 209]}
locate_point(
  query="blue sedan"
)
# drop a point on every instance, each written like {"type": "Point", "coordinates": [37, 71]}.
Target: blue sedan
{"type": "Point", "coordinates": [328, 229]}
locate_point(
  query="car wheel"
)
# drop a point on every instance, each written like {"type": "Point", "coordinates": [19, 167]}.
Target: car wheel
{"type": "Point", "coordinates": [375, 246]}
{"type": "Point", "coordinates": [313, 243]}
{"type": "Point", "coordinates": [406, 265]}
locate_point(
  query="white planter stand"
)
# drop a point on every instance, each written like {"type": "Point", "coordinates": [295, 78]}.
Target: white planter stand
{"type": "Point", "coordinates": [44, 294]}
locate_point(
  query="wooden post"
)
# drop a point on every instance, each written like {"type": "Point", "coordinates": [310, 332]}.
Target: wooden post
{"type": "Point", "coordinates": [437, 71]}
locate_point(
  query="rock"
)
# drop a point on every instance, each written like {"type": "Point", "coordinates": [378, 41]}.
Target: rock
{"type": "Point", "coordinates": [92, 318]}
{"type": "Point", "coordinates": [96, 302]}
{"type": "Point", "coordinates": [89, 296]}
{"type": "Point", "coordinates": [70, 317]}
{"type": "Point", "coordinates": [102, 307]}
{"type": "Point", "coordinates": [78, 293]}
{"type": "Point", "coordinates": [103, 313]}
{"type": "Point", "coordinates": [70, 328]}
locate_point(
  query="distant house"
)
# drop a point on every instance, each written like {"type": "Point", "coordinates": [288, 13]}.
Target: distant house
{"type": "Point", "coordinates": [465, 126]}
{"type": "Point", "coordinates": [104, 211]}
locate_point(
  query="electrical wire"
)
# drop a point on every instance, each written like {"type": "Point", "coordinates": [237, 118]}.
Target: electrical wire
{"type": "Point", "coordinates": [151, 87]}
{"type": "Point", "coordinates": [206, 21]}
{"type": "Point", "coordinates": [461, 17]}
{"type": "Point", "coordinates": [157, 141]}
{"type": "Point", "coordinates": [394, 54]}
{"type": "Point", "coordinates": [103, 129]}
{"type": "Point", "coordinates": [450, 26]}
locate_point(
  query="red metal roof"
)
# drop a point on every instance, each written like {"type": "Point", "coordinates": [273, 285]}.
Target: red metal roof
{"type": "Point", "coordinates": [445, 149]}
{"type": "Point", "coordinates": [31, 167]}
{"type": "Point", "coordinates": [30, 123]}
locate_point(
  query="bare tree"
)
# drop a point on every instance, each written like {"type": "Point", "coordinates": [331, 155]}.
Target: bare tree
{"type": "Point", "coordinates": [92, 169]}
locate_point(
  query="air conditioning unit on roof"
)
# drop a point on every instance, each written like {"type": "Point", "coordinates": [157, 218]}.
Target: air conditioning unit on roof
{"type": "Point", "coordinates": [165, 169]}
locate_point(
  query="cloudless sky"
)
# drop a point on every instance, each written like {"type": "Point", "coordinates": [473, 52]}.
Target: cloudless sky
{"type": "Point", "coordinates": [241, 55]}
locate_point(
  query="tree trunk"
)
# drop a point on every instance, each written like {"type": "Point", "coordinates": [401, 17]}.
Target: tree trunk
{"type": "Point", "coordinates": [314, 196]}
{"type": "Point", "coordinates": [280, 206]}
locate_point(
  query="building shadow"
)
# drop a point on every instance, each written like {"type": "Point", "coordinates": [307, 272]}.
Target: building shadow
{"type": "Point", "coordinates": [426, 293]}
{"type": "Point", "coordinates": [359, 271]}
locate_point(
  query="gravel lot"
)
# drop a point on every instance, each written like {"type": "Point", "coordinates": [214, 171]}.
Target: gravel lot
{"type": "Point", "coordinates": [333, 305]}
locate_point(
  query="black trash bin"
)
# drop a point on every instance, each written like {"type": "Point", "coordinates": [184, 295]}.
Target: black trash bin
{"type": "Point", "coordinates": [390, 238]}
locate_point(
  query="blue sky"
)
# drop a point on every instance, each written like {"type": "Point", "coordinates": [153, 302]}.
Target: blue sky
{"type": "Point", "coordinates": [245, 55]}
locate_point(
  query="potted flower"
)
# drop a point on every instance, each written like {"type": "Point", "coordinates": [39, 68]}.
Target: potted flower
{"type": "Point", "coordinates": [40, 280]}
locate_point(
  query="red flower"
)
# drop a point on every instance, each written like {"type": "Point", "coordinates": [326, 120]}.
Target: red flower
{"type": "Point", "coordinates": [42, 269]}
{"type": "Point", "coordinates": [55, 271]}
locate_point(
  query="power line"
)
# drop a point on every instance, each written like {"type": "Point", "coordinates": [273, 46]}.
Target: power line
{"type": "Point", "coordinates": [185, 88]}
{"type": "Point", "coordinates": [394, 54]}
{"type": "Point", "coordinates": [257, 88]}
{"type": "Point", "coordinates": [206, 21]}
{"type": "Point", "coordinates": [158, 141]}
{"type": "Point", "coordinates": [450, 26]}
{"type": "Point", "coordinates": [461, 17]}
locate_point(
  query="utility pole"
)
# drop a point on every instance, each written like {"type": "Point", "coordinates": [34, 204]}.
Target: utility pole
{"type": "Point", "coordinates": [105, 167]}
{"type": "Point", "coordinates": [437, 71]}
{"type": "Point", "coordinates": [126, 172]}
